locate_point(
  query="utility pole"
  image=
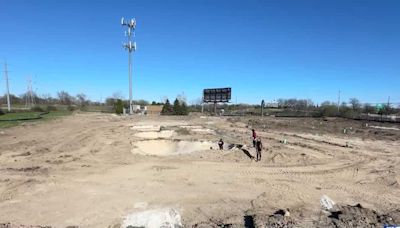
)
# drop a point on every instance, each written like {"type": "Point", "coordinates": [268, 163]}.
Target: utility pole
{"type": "Point", "coordinates": [8, 88]}
{"type": "Point", "coordinates": [130, 47]}
{"type": "Point", "coordinates": [29, 96]}
{"type": "Point", "coordinates": [338, 102]}
{"type": "Point", "coordinates": [388, 106]}
{"type": "Point", "coordinates": [262, 107]}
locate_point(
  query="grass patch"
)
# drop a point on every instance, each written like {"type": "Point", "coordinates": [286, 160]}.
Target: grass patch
{"type": "Point", "coordinates": [20, 115]}
{"type": "Point", "coordinates": [97, 108]}
{"type": "Point", "coordinates": [15, 119]}
{"type": "Point", "coordinates": [55, 114]}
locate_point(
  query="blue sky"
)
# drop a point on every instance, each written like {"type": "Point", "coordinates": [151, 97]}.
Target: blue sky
{"type": "Point", "coordinates": [262, 49]}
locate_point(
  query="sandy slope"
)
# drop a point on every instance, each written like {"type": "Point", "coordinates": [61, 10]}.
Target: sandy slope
{"type": "Point", "coordinates": [82, 170]}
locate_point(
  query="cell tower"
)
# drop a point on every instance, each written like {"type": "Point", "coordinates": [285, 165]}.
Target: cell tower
{"type": "Point", "coordinates": [29, 96]}
{"type": "Point", "coordinates": [130, 46]}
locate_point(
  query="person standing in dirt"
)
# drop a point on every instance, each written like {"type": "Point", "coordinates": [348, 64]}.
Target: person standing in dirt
{"type": "Point", "coordinates": [221, 144]}
{"type": "Point", "coordinates": [259, 148]}
{"type": "Point", "coordinates": [254, 137]}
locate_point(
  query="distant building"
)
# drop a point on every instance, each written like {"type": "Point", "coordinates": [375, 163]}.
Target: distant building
{"type": "Point", "coordinates": [154, 109]}
{"type": "Point", "coordinates": [272, 104]}
{"type": "Point", "coordinates": [136, 108]}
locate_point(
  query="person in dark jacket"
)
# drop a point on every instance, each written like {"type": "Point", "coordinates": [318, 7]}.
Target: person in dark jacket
{"type": "Point", "coordinates": [221, 144]}
{"type": "Point", "coordinates": [254, 136]}
{"type": "Point", "coordinates": [259, 148]}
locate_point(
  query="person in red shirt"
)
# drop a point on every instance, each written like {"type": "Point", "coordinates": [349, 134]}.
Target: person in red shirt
{"type": "Point", "coordinates": [254, 136]}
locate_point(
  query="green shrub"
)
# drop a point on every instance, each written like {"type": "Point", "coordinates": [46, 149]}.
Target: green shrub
{"type": "Point", "coordinates": [71, 108]}
{"type": "Point", "coordinates": [167, 108]}
{"type": "Point", "coordinates": [50, 108]}
{"type": "Point", "coordinates": [84, 108]}
{"type": "Point", "coordinates": [37, 109]}
{"type": "Point", "coordinates": [179, 108]}
{"type": "Point", "coordinates": [328, 110]}
{"type": "Point", "coordinates": [1, 112]}
{"type": "Point", "coordinates": [119, 107]}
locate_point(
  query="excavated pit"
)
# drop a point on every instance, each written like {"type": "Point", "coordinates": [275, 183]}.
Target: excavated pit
{"type": "Point", "coordinates": [169, 147]}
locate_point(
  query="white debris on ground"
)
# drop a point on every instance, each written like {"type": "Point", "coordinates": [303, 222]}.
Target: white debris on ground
{"type": "Point", "coordinates": [203, 130]}
{"type": "Point", "coordinates": [166, 218]}
{"type": "Point", "coordinates": [385, 128]}
{"type": "Point", "coordinates": [191, 126]}
{"type": "Point", "coordinates": [326, 203]}
{"type": "Point", "coordinates": [146, 127]}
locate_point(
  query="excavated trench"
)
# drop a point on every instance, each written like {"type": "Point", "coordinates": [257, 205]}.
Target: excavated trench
{"type": "Point", "coordinates": [165, 147]}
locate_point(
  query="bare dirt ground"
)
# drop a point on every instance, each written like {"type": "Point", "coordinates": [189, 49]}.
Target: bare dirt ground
{"type": "Point", "coordinates": [93, 170]}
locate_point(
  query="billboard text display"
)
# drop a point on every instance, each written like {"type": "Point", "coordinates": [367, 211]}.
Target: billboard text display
{"type": "Point", "coordinates": [217, 95]}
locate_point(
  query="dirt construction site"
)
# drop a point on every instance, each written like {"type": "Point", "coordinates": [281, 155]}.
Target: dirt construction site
{"type": "Point", "coordinates": [103, 170]}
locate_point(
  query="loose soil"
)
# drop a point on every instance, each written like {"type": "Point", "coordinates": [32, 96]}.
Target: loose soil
{"type": "Point", "coordinates": [93, 170]}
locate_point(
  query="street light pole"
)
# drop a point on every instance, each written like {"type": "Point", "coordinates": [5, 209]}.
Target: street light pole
{"type": "Point", "coordinates": [8, 88]}
{"type": "Point", "coordinates": [338, 102]}
{"type": "Point", "coordinates": [130, 47]}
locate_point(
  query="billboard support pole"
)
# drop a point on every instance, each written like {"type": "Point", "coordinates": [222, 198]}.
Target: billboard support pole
{"type": "Point", "coordinates": [262, 107]}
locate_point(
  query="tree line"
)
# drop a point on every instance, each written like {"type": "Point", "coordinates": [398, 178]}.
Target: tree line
{"type": "Point", "coordinates": [349, 109]}
{"type": "Point", "coordinates": [178, 108]}
{"type": "Point", "coordinates": [63, 98]}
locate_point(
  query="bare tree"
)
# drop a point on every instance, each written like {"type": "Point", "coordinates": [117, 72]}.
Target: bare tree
{"type": "Point", "coordinates": [355, 104]}
{"type": "Point", "coordinates": [197, 101]}
{"type": "Point", "coordinates": [47, 98]}
{"type": "Point", "coordinates": [117, 95]}
{"type": "Point", "coordinates": [64, 97]}
{"type": "Point", "coordinates": [82, 99]}
{"type": "Point", "coordinates": [368, 108]}
{"type": "Point", "coordinates": [326, 103]}
{"type": "Point", "coordinates": [181, 98]}
{"type": "Point", "coordinates": [163, 99]}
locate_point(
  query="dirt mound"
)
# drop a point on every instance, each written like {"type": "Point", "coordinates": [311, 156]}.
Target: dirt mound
{"type": "Point", "coordinates": [344, 216]}
{"type": "Point", "coordinates": [278, 219]}
{"type": "Point", "coordinates": [358, 216]}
